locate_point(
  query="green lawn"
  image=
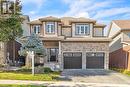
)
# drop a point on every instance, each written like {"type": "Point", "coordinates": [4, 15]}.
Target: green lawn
{"type": "Point", "coordinates": [28, 76]}
{"type": "Point", "coordinates": [4, 85]}
{"type": "Point", "coordinates": [123, 71]}
{"type": "Point", "coordinates": [127, 73]}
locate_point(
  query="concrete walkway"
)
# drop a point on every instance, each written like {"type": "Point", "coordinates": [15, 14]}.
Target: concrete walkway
{"type": "Point", "coordinates": [63, 83]}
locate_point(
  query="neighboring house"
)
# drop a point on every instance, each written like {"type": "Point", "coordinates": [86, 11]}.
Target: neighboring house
{"type": "Point", "coordinates": [120, 45]}
{"type": "Point", "coordinates": [73, 43]}
{"type": "Point", "coordinates": [8, 50]}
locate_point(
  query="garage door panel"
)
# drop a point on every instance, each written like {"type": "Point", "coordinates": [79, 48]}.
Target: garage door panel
{"type": "Point", "coordinates": [73, 61]}
{"type": "Point", "coordinates": [95, 60]}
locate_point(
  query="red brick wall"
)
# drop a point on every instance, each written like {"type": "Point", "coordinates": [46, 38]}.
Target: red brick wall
{"type": "Point", "coordinates": [120, 58]}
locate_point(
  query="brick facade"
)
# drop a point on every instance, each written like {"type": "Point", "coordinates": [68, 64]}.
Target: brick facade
{"type": "Point", "coordinates": [85, 47]}
{"type": "Point", "coordinates": [120, 58]}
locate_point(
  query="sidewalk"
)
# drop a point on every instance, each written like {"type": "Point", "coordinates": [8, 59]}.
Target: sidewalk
{"type": "Point", "coordinates": [62, 83]}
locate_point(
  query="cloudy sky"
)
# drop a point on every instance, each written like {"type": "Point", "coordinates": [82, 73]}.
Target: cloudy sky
{"type": "Point", "coordinates": [102, 10]}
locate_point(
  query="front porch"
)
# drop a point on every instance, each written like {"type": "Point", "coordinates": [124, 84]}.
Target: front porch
{"type": "Point", "coordinates": [53, 58]}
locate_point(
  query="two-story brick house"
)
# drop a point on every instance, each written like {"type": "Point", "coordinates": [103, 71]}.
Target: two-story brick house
{"type": "Point", "coordinates": [119, 32]}
{"type": "Point", "coordinates": [73, 43]}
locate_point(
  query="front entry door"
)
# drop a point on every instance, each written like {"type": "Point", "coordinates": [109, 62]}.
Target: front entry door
{"type": "Point", "coordinates": [52, 54]}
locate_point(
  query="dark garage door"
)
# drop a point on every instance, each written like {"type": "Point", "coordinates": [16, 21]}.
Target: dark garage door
{"type": "Point", "coordinates": [72, 60]}
{"type": "Point", "coordinates": [94, 60]}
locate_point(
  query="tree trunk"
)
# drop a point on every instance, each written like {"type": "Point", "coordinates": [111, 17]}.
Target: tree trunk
{"type": "Point", "coordinates": [14, 51]}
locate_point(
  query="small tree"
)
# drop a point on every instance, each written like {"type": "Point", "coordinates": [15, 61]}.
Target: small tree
{"type": "Point", "coordinates": [33, 43]}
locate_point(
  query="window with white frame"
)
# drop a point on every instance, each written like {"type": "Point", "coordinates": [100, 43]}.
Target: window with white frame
{"type": "Point", "coordinates": [5, 7]}
{"type": "Point", "coordinates": [82, 29]}
{"type": "Point", "coordinates": [50, 27]}
{"type": "Point", "coordinates": [36, 29]}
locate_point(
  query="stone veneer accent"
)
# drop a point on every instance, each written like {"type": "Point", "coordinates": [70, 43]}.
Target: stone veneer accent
{"type": "Point", "coordinates": [85, 47]}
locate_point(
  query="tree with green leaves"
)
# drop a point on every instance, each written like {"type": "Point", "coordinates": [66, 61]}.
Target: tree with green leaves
{"type": "Point", "coordinates": [10, 24]}
{"type": "Point", "coordinates": [33, 43]}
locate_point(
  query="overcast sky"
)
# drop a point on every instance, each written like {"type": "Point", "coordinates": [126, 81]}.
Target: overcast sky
{"type": "Point", "coordinates": [102, 10]}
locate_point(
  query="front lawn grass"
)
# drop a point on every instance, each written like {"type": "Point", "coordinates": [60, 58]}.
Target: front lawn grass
{"type": "Point", "coordinates": [5, 85]}
{"type": "Point", "coordinates": [12, 75]}
{"type": "Point", "coordinates": [123, 71]}
{"type": "Point", "coordinates": [127, 72]}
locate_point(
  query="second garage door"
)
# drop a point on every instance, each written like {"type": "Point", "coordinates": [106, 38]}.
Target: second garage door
{"type": "Point", "coordinates": [72, 60]}
{"type": "Point", "coordinates": [94, 60]}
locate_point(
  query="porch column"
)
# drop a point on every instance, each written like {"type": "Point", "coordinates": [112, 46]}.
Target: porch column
{"type": "Point", "coordinates": [60, 57]}
{"type": "Point", "coordinates": [84, 60]}
{"type": "Point", "coordinates": [106, 61]}
{"type": "Point", "coordinates": [59, 47]}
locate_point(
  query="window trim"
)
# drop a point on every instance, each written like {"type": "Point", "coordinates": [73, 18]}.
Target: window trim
{"type": "Point", "coordinates": [38, 29]}
{"type": "Point", "coordinates": [98, 35]}
{"type": "Point", "coordinates": [49, 54]}
{"type": "Point", "coordinates": [5, 7]}
{"type": "Point", "coordinates": [81, 34]}
{"type": "Point", "coordinates": [128, 34]}
{"type": "Point", "coordinates": [46, 28]}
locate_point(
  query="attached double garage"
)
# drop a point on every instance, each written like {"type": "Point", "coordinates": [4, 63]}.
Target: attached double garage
{"type": "Point", "coordinates": [76, 60]}
{"type": "Point", "coordinates": [85, 55]}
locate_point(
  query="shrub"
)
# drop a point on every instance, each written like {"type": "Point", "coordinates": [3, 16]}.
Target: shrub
{"type": "Point", "coordinates": [39, 70]}
{"type": "Point", "coordinates": [118, 70]}
{"type": "Point", "coordinates": [47, 70]}
{"type": "Point", "coordinates": [24, 69]}
{"type": "Point", "coordinates": [121, 71]}
{"type": "Point", "coordinates": [126, 72]}
{"type": "Point", "coordinates": [1, 65]}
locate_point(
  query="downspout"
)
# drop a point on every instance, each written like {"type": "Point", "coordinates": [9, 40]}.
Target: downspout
{"type": "Point", "coordinates": [126, 59]}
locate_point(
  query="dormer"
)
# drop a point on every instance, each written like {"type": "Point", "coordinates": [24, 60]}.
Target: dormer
{"type": "Point", "coordinates": [98, 30]}
{"type": "Point", "coordinates": [51, 26]}
{"type": "Point", "coordinates": [82, 27]}
{"type": "Point", "coordinates": [36, 27]}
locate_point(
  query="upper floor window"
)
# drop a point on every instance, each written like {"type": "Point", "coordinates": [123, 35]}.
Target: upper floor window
{"type": "Point", "coordinates": [50, 27]}
{"type": "Point", "coordinates": [98, 32]}
{"type": "Point", "coordinates": [128, 35]}
{"type": "Point", "coordinates": [82, 29]}
{"type": "Point", "coordinates": [5, 7]}
{"type": "Point", "coordinates": [36, 29]}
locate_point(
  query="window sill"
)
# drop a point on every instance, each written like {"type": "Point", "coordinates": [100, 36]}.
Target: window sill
{"type": "Point", "coordinates": [99, 36]}
{"type": "Point", "coordinates": [50, 33]}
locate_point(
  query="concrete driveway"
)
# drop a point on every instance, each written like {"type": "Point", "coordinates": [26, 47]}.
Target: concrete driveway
{"type": "Point", "coordinates": [95, 76]}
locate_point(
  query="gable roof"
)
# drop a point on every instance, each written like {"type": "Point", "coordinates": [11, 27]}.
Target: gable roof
{"type": "Point", "coordinates": [50, 18]}
{"type": "Point", "coordinates": [82, 19]}
{"type": "Point", "coordinates": [99, 25]}
{"type": "Point", "coordinates": [66, 21]}
{"type": "Point", "coordinates": [35, 22]}
{"type": "Point", "coordinates": [123, 24]}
